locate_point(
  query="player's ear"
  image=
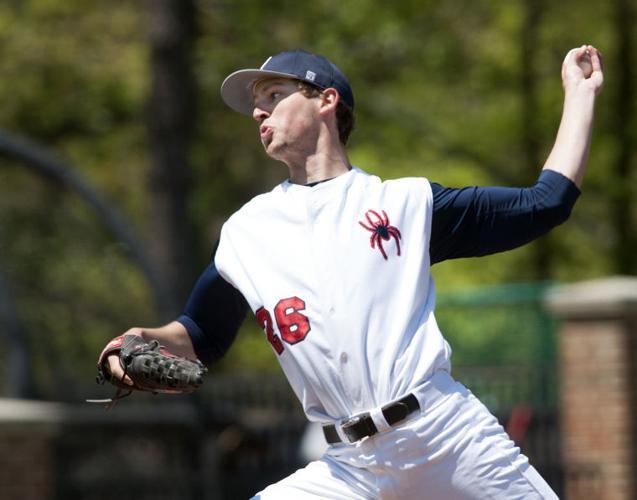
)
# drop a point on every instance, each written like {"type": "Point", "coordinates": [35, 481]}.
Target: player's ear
{"type": "Point", "coordinates": [329, 100]}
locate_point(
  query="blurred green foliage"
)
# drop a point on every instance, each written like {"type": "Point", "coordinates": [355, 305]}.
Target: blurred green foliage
{"type": "Point", "coordinates": [439, 94]}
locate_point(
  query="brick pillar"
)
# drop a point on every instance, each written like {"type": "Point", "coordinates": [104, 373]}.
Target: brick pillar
{"type": "Point", "coordinates": [27, 471]}
{"type": "Point", "coordinates": [598, 396]}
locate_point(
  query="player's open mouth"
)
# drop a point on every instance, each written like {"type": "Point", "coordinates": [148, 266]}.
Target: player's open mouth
{"type": "Point", "coordinates": [266, 134]}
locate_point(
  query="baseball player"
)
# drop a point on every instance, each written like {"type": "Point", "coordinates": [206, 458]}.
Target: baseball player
{"type": "Point", "coordinates": [336, 266]}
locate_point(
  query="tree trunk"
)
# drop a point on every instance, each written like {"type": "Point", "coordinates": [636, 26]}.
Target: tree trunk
{"type": "Point", "coordinates": [170, 118]}
{"type": "Point", "coordinates": [625, 250]}
{"type": "Point", "coordinates": [531, 129]}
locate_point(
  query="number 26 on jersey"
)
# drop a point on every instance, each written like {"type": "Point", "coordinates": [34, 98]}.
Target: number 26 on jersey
{"type": "Point", "coordinates": [292, 325]}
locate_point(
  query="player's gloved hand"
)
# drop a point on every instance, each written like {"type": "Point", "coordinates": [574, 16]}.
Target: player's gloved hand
{"type": "Point", "coordinates": [583, 69]}
{"type": "Point", "coordinates": [130, 363]}
{"type": "Point", "coordinates": [112, 364]}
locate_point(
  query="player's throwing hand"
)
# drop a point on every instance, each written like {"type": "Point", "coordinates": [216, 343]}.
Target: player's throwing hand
{"type": "Point", "coordinates": [583, 69]}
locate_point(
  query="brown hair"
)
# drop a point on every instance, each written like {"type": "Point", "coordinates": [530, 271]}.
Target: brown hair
{"type": "Point", "coordinates": [344, 114]}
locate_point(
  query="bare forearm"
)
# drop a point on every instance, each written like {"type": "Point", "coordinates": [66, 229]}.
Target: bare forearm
{"type": "Point", "coordinates": [173, 336]}
{"type": "Point", "coordinates": [569, 155]}
{"type": "Point", "coordinates": [581, 87]}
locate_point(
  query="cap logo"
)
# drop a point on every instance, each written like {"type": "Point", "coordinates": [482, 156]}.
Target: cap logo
{"type": "Point", "coordinates": [310, 75]}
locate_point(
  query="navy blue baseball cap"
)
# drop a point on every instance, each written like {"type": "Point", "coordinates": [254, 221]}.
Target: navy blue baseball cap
{"type": "Point", "coordinates": [316, 70]}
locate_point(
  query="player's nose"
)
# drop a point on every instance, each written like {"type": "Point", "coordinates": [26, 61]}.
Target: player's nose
{"type": "Point", "coordinates": [259, 114]}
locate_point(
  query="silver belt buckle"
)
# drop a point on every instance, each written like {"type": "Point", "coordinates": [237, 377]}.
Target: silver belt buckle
{"type": "Point", "coordinates": [348, 427]}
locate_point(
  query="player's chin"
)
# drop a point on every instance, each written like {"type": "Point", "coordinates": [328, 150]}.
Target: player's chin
{"type": "Point", "coordinates": [272, 150]}
{"type": "Point", "coordinates": [266, 143]}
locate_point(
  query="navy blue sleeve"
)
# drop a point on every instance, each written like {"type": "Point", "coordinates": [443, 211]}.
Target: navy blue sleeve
{"type": "Point", "coordinates": [476, 221]}
{"type": "Point", "coordinates": [213, 314]}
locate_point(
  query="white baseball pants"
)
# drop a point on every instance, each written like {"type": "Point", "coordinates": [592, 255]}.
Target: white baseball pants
{"type": "Point", "coordinates": [456, 450]}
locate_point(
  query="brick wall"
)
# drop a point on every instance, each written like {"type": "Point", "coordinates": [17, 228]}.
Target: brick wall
{"type": "Point", "coordinates": [26, 453]}
{"type": "Point", "coordinates": [26, 472]}
{"type": "Point", "coordinates": [598, 391]}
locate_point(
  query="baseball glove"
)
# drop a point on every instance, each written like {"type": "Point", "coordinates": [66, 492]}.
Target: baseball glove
{"type": "Point", "coordinates": [150, 366]}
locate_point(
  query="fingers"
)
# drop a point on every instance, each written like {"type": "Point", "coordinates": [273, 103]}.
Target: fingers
{"type": "Point", "coordinates": [116, 370]}
{"type": "Point", "coordinates": [571, 66]}
{"type": "Point", "coordinates": [574, 55]}
{"type": "Point", "coordinates": [583, 54]}
{"type": "Point", "coordinates": [583, 69]}
{"type": "Point", "coordinates": [596, 59]}
{"type": "Point", "coordinates": [596, 78]}
{"type": "Point", "coordinates": [593, 55]}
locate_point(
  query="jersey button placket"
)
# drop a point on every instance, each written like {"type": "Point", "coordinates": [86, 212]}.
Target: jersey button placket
{"type": "Point", "coordinates": [314, 205]}
{"type": "Point", "coordinates": [318, 217]}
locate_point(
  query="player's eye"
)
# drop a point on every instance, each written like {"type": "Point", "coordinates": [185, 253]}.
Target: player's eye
{"type": "Point", "coordinates": [274, 96]}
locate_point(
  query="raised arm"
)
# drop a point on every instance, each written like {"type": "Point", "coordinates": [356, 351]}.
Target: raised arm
{"type": "Point", "coordinates": [570, 151]}
{"type": "Point", "coordinates": [477, 221]}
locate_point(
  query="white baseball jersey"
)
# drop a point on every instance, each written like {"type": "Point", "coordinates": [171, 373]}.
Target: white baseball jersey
{"type": "Point", "coordinates": [338, 275]}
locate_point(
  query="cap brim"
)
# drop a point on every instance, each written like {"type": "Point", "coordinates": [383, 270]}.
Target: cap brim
{"type": "Point", "coordinates": [236, 89]}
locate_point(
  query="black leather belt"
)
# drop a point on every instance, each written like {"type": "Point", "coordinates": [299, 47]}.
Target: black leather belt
{"type": "Point", "coordinates": [361, 426]}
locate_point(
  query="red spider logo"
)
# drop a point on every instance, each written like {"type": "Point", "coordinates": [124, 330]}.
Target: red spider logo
{"type": "Point", "coordinates": [381, 230]}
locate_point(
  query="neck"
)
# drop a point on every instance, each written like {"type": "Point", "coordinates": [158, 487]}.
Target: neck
{"type": "Point", "coordinates": [325, 162]}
